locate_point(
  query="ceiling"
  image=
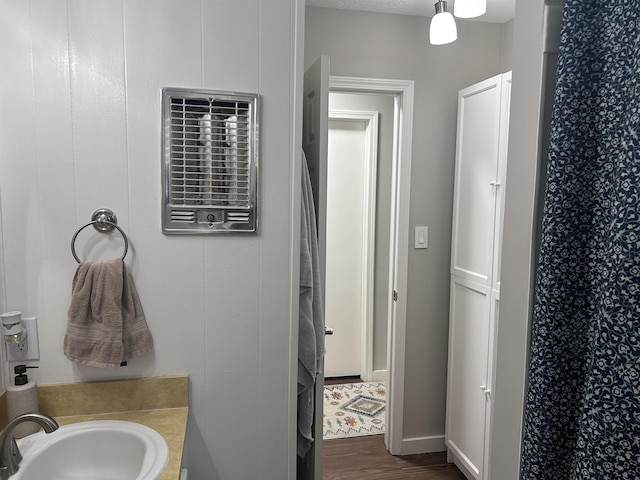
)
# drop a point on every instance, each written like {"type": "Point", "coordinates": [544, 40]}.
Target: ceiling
{"type": "Point", "coordinates": [498, 11]}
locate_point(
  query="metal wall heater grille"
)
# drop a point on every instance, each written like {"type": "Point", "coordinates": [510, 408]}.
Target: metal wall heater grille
{"type": "Point", "coordinates": [210, 156]}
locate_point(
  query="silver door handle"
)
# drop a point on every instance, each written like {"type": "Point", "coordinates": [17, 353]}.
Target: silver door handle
{"type": "Point", "coordinates": [328, 331]}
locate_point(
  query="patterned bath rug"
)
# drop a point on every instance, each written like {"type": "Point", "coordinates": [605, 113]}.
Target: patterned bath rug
{"type": "Point", "coordinates": [354, 409]}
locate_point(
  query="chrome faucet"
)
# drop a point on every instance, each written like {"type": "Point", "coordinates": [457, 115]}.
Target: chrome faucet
{"type": "Point", "coordinates": [10, 456]}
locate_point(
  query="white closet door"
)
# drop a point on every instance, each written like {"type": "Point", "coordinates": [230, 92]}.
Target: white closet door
{"type": "Point", "coordinates": [481, 153]}
{"type": "Point", "coordinates": [476, 181]}
{"type": "Point", "coordinates": [469, 330]}
{"type": "Point", "coordinates": [505, 103]}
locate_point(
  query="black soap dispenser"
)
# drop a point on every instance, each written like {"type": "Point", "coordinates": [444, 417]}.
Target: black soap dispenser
{"type": "Point", "coordinates": [22, 397]}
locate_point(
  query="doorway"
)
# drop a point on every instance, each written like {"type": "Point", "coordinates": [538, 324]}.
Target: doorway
{"type": "Point", "coordinates": [352, 161]}
{"type": "Point", "coordinates": [317, 83]}
{"type": "Point", "coordinates": [401, 93]}
{"type": "Point", "coordinates": [361, 138]}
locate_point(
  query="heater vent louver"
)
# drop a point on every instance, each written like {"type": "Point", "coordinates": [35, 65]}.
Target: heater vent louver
{"type": "Point", "coordinates": [210, 160]}
{"type": "Point", "coordinates": [183, 216]}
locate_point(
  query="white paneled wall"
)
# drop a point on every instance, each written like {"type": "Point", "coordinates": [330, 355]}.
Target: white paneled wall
{"type": "Point", "coordinates": [80, 106]}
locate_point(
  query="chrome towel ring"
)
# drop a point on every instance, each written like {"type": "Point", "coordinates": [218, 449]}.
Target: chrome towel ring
{"type": "Point", "coordinates": [104, 221]}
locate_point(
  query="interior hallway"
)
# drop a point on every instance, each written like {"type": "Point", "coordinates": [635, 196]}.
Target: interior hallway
{"type": "Point", "coordinates": [366, 458]}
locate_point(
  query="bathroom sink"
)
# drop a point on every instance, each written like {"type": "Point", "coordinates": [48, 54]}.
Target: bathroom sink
{"type": "Point", "coordinates": [97, 450]}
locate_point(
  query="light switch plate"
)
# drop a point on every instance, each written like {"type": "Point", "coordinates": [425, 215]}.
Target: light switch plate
{"type": "Point", "coordinates": [421, 237]}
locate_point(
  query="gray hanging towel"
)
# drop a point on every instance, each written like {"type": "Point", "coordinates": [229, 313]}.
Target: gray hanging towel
{"type": "Point", "coordinates": [311, 324]}
{"type": "Point", "coordinates": [106, 324]}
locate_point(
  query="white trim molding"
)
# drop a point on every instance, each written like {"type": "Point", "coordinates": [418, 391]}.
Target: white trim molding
{"type": "Point", "coordinates": [379, 376]}
{"type": "Point", "coordinates": [431, 444]}
{"type": "Point", "coordinates": [401, 191]}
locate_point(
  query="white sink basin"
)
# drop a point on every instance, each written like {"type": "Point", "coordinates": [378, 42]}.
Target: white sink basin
{"type": "Point", "coordinates": [99, 450]}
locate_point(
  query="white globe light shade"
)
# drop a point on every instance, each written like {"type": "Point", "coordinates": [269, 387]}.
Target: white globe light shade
{"type": "Point", "coordinates": [469, 8]}
{"type": "Point", "coordinates": [442, 29]}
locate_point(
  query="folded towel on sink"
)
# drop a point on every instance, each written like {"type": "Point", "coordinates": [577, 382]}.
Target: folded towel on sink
{"type": "Point", "coordinates": [106, 324]}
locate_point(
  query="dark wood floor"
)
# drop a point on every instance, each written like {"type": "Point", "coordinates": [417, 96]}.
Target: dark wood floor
{"type": "Point", "coordinates": [361, 458]}
{"type": "Point", "coordinates": [341, 380]}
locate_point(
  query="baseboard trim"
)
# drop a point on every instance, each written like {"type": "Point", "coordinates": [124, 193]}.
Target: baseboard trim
{"type": "Point", "coordinates": [463, 468]}
{"type": "Point", "coordinates": [411, 446]}
{"type": "Point", "coordinates": [374, 376]}
{"type": "Point", "coordinates": [460, 460]}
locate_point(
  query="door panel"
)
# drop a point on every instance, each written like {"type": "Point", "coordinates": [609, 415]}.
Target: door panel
{"type": "Point", "coordinates": [314, 143]}
{"type": "Point", "coordinates": [315, 140]}
{"type": "Point", "coordinates": [476, 180]}
{"type": "Point", "coordinates": [344, 300]}
{"type": "Point", "coordinates": [467, 390]}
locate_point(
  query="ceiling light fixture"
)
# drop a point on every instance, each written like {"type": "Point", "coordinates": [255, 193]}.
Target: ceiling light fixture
{"type": "Point", "coordinates": [469, 8]}
{"type": "Point", "coordinates": [443, 26]}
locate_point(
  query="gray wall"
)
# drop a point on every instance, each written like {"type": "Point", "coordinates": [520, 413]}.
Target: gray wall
{"type": "Point", "coordinates": [383, 104]}
{"type": "Point", "coordinates": [507, 47]}
{"type": "Point", "coordinates": [395, 46]}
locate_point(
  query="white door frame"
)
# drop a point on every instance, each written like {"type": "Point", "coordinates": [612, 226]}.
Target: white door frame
{"type": "Point", "coordinates": [370, 118]}
{"type": "Point", "coordinates": [398, 263]}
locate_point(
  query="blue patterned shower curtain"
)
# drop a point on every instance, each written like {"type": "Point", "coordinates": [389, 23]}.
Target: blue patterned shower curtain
{"type": "Point", "coordinates": [582, 416]}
